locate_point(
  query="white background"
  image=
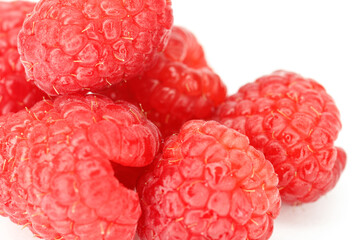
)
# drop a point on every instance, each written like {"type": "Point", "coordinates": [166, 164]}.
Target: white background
{"type": "Point", "coordinates": [244, 40]}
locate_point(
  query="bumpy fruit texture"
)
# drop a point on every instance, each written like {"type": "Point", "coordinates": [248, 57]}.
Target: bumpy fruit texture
{"type": "Point", "coordinates": [178, 88]}
{"type": "Point", "coordinates": [16, 92]}
{"type": "Point", "coordinates": [56, 176]}
{"type": "Point", "coordinates": [209, 183]}
{"type": "Point", "coordinates": [68, 46]}
{"type": "Point", "coordinates": [294, 122]}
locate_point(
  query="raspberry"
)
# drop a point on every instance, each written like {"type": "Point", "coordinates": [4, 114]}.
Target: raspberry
{"type": "Point", "coordinates": [209, 183]}
{"type": "Point", "coordinates": [294, 122]}
{"type": "Point", "coordinates": [69, 46]}
{"type": "Point", "coordinates": [15, 92]}
{"type": "Point", "coordinates": [178, 88]}
{"type": "Point", "coordinates": [56, 176]}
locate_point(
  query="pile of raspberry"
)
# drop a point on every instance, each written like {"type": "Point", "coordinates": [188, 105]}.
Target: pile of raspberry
{"type": "Point", "coordinates": [113, 126]}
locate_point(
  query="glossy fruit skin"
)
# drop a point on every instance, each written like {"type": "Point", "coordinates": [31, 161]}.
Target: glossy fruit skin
{"type": "Point", "coordinates": [180, 87]}
{"type": "Point", "coordinates": [56, 176]}
{"type": "Point", "coordinates": [68, 46]}
{"type": "Point", "coordinates": [209, 183]}
{"type": "Point", "coordinates": [294, 122]}
{"type": "Point", "coordinates": [16, 92]}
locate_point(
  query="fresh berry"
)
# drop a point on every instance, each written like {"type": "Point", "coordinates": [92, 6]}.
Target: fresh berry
{"type": "Point", "coordinates": [56, 176]}
{"type": "Point", "coordinates": [16, 92]}
{"type": "Point", "coordinates": [178, 88]}
{"type": "Point", "coordinates": [294, 122]}
{"type": "Point", "coordinates": [69, 46]}
{"type": "Point", "coordinates": [209, 183]}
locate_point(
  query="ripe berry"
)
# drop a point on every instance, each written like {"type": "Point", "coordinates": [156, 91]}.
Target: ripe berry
{"type": "Point", "coordinates": [294, 122]}
{"type": "Point", "coordinates": [68, 46]}
{"type": "Point", "coordinates": [178, 88]}
{"type": "Point", "coordinates": [209, 183]}
{"type": "Point", "coordinates": [16, 92]}
{"type": "Point", "coordinates": [56, 176]}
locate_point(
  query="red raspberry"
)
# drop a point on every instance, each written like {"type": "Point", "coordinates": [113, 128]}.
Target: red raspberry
{"type": "Point", "coordinates": [68, 46]}
{"type": "Point", "coordinates": [180, 87]}
{"type": "Point", "coordinates": [56, 176]}
{"type": "Point", "coordinates": [15, 92]}
{"type": "Point", "coordinates": [294, 122]}
{"type": "Point", "coordinates": [209, 183]}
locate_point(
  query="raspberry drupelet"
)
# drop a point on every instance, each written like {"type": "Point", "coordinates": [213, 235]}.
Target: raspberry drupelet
{"type": "Point", "coordinates": [209, 183]}
{"type": "Point", "coordinates": [294, 122]}
{"type": "Point", "coordinates": [180, 87]}
{"type": "Point", "coordinates": [56, 176]}
{"type": "Point", "coordinates": [16, 92]}
{"type": "Point", "coordinates": [84, 45]}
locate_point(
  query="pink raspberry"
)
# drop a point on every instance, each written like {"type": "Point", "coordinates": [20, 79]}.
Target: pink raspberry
{"type": "Point", "coordinates": [209, 183]}
{"type": "Point", "coordinates": [56, 175]}
{"type": "Point", "coordinates": [294, 122]}
{"type": "Point", "coordinates": [180, 87]}
{"type": "Point", "coordinates": [69, 46]}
